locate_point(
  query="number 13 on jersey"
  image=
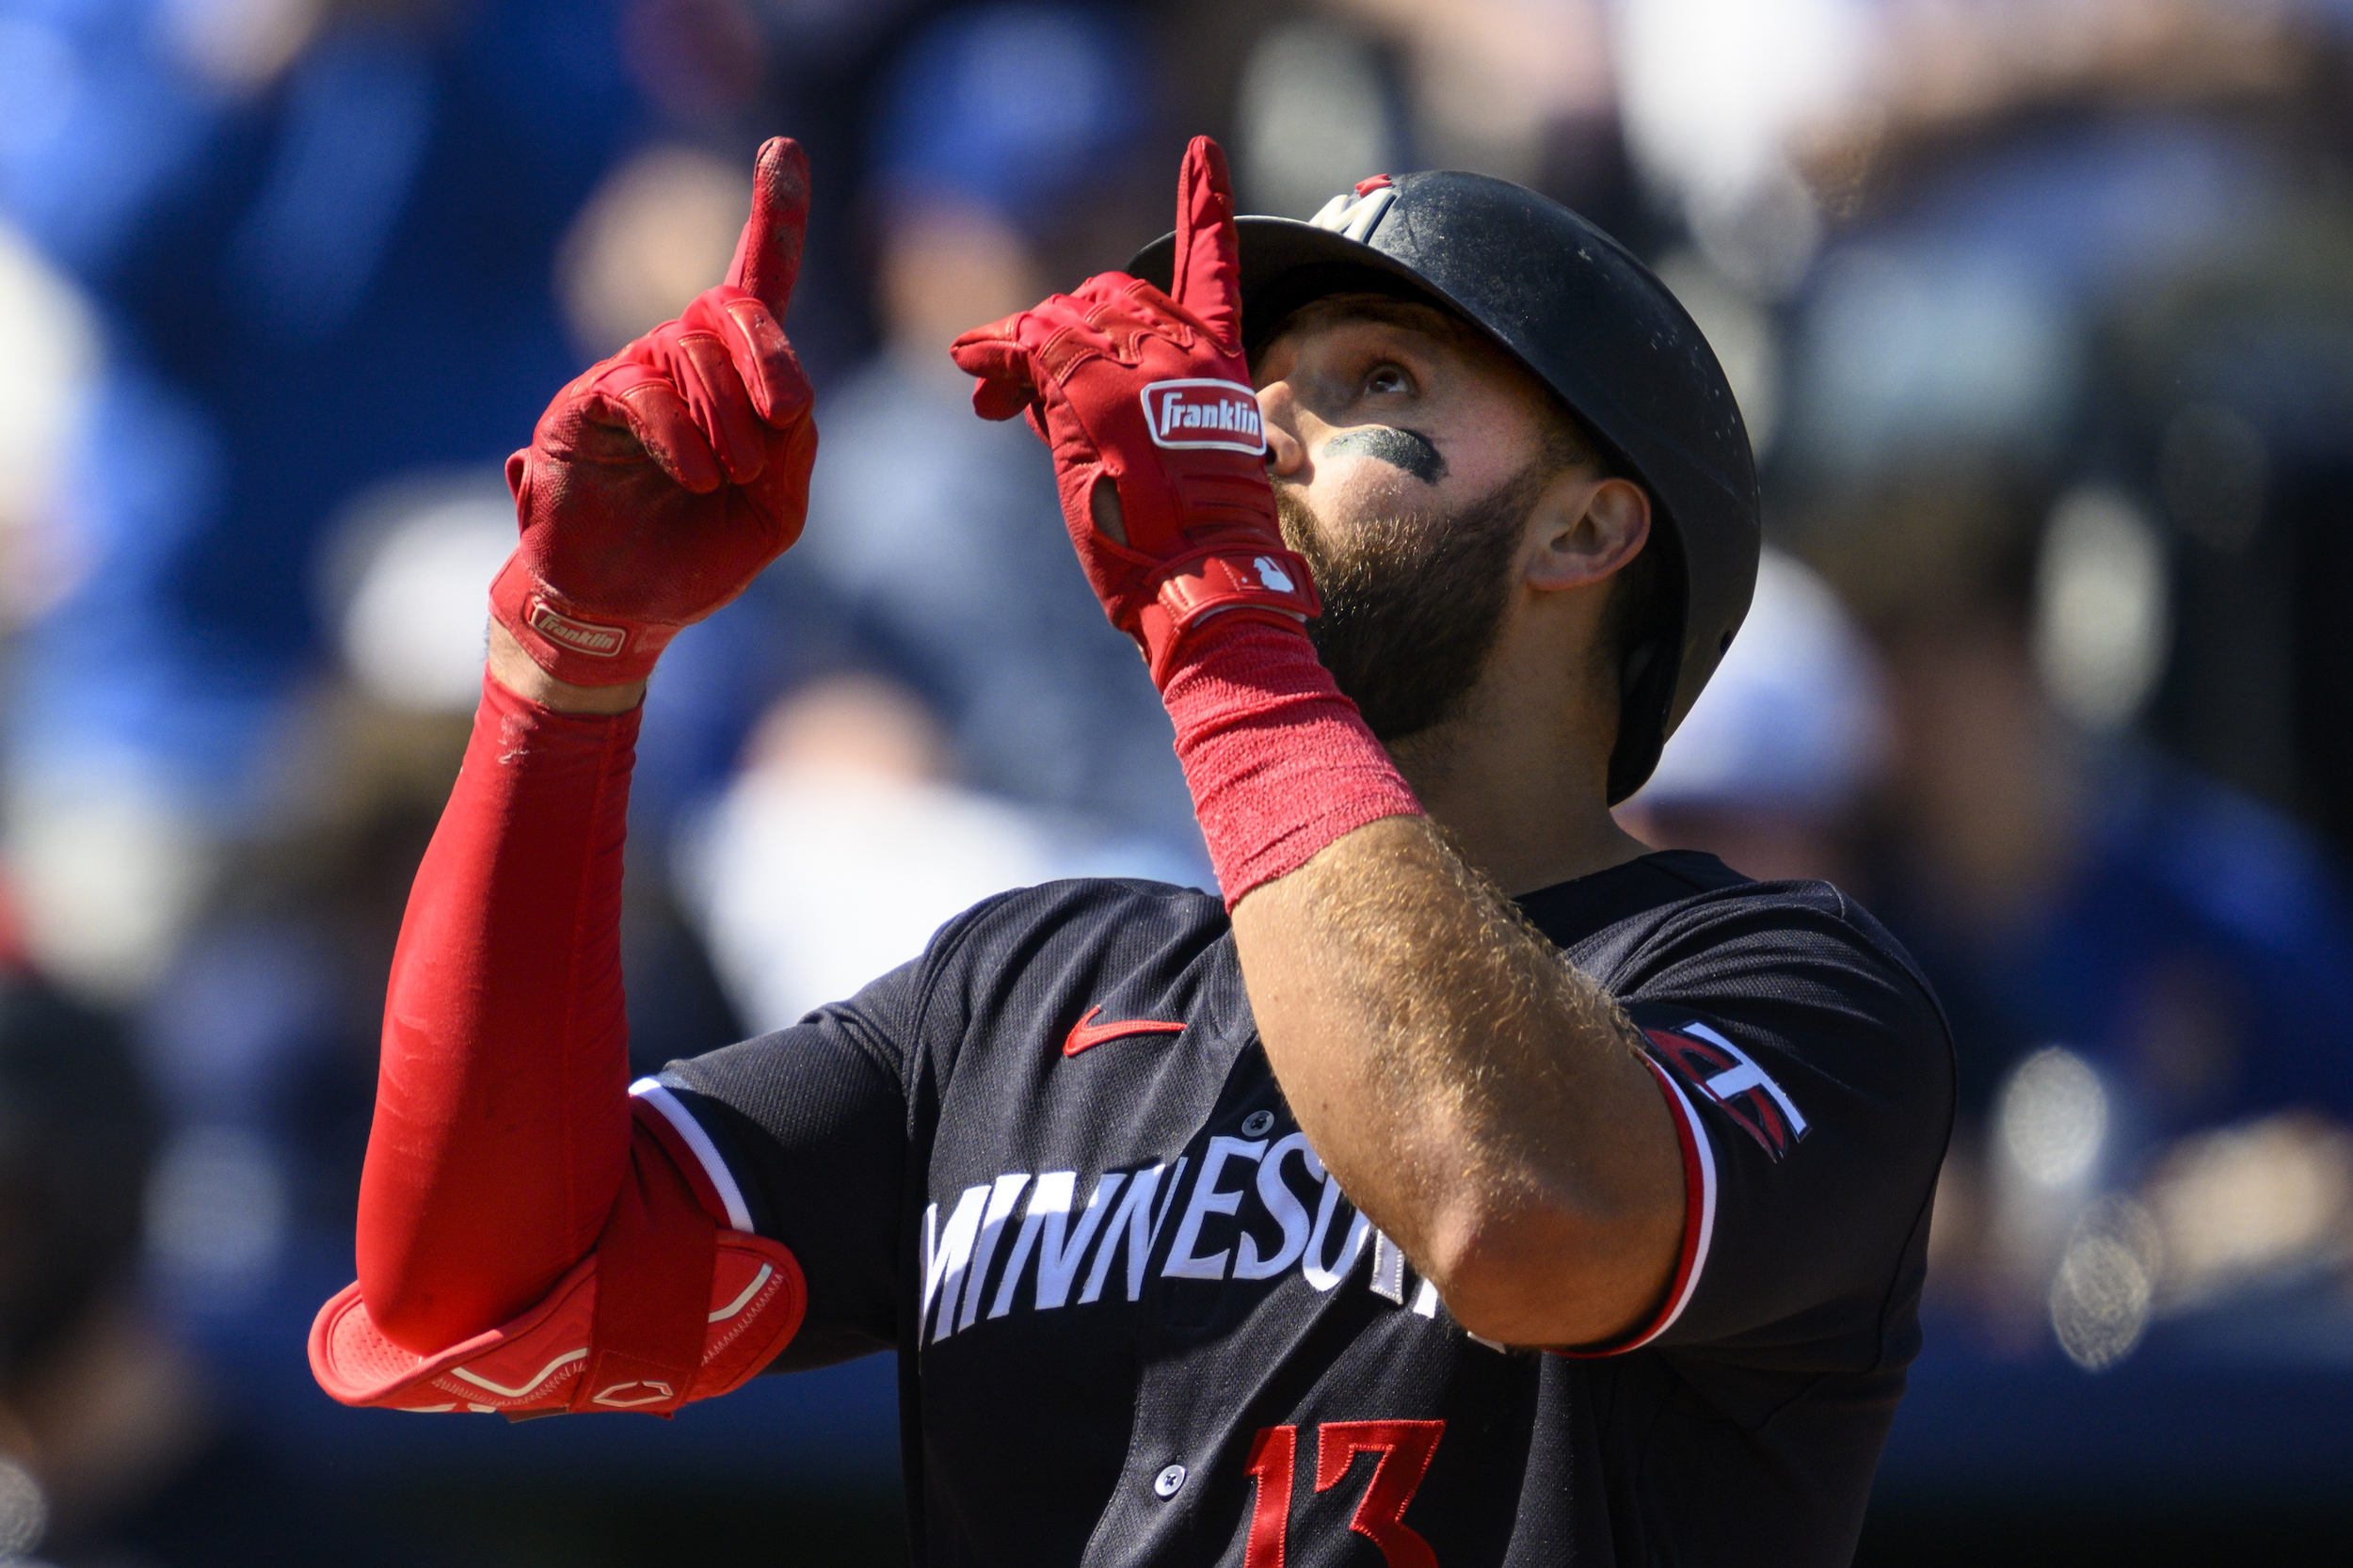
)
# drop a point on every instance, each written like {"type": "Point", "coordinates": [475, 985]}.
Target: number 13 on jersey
{"type": "Point", "coordinates": [1404, 1448]}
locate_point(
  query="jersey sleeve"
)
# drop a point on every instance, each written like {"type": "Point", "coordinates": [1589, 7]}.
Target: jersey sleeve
{"type": "Point", "coordinates": [1809, 1072]}
{"type": "Point", "coordinates": [803, 1135]}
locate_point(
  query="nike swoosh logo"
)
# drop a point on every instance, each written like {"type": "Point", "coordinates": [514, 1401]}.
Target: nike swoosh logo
{"type": "Point", "coordinates": [1086, 1032]}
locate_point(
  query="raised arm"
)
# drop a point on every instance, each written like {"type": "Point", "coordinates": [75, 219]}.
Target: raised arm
{"type": "Point", "coordinates": [504, 1153]}
{"type": "Point", "coordinates": [1479, 1099]}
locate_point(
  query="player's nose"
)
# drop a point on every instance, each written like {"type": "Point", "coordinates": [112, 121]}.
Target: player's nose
{"type": "Point", "coordinates": [1285, 453]}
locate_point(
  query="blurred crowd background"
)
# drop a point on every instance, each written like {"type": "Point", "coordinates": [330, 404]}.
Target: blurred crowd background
{"type": "Point", "coordinates": [2042, 315]}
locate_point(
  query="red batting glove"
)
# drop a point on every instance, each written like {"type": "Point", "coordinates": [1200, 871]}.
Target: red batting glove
{"type": "Point", "coordinates": [659, 484]}
{"type": "Point", "coordinates": [1126, 383]}
{"type": "Point", "coordinates": [1152, 392]}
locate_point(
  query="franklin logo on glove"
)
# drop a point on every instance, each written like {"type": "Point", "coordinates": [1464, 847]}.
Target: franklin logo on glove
{"type": "Point", "coordinates": [1188, 482]}
{"type": "Point", "coordinates": [1204, 413]}
{"type": "Point", "coordinates": [600, 642]}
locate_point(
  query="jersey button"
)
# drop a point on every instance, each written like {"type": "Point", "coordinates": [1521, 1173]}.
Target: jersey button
{"type": "Point", "coordinates": [1257, 1124]}
{"type": "Point", "coordinates": [1168, 1480]}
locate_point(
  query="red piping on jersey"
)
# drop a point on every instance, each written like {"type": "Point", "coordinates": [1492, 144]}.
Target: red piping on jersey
{"type": "Point", "coordinates": [1086, 1032]}
{"type": "Point", "coordinates": [689, 1164]}
{"type": "Point", "coordinates": [1699, 1215]}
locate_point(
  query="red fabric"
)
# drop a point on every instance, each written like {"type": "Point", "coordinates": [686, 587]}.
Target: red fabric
{"type": "Point", "coordinates": [1279, 762]}
{"type": "Point", "coordinates": [502, 1129]}
{"type": "Point", "coordinates": [1274, 1458]}
{"type": "Point", "coordinates": [1405, 1449]}
{"type": "Point", "coordinates": [1696, 1179]}
{"type": "Point", "coordinates": [659, 1304]}
{"type": "Point", "coordinates": [1152, 392]}
{"type": "Point", "coordinates": [661, 481]}
{"type": "Point", "coordinates": [12, 952]}
{"type": "Point", "coordinates": [653, 1124]}
{"type": "Point", "coordinates": [659, 1243]}
{"type": "Point", "coordinates": [655, 488]}
{"type": "Point", "coordinates": [549, 1359]}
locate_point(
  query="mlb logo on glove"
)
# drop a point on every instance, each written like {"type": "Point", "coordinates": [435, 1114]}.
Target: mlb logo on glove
{"type": "Point", "coordinates": [1203, 412]}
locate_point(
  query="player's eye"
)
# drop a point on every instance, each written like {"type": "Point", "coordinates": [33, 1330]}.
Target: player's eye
{"type": "Point", "coordinates": [1387, 380]}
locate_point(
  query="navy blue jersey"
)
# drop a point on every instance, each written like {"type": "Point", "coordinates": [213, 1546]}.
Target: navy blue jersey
{"type": "Point", "coordinates": [1048, 1164]}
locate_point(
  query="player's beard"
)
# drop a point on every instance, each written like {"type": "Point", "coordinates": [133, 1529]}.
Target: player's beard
{"type": "Point", "coordinates": [1412, 604]}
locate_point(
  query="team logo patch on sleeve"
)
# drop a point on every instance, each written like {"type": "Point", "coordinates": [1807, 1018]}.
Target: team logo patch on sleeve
{"type": "Point", "coordinates": [1729, 1077]}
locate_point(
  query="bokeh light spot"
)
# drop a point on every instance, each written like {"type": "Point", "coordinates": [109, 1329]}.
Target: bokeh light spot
{"type": "Point", "coordinates": [2053, 1115]}
{"type": "Point", "coordinates": [23, 1510]}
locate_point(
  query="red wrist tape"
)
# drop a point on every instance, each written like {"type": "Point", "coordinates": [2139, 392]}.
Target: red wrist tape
{"type": "Point", "coordinates": [1279, 762]}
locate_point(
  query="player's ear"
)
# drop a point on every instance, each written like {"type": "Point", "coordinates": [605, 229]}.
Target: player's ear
{"type": "Point", "coordinates": [1583, 528]}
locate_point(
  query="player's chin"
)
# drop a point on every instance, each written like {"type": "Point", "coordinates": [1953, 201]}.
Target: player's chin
{"type": "Point", "coordinates": [1302, 531]}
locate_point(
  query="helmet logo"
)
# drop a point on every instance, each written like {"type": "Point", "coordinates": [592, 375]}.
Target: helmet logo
{"type": "Point", "coordinates": [1355, 215]}
{"type": "Point", "coordinates": [1200, 412]}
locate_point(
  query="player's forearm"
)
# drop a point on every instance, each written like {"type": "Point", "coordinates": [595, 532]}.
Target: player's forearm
{"type": "Point", "coordinates": [501, 1120]}
{"type": "Point", "coordinates": [657, 485]}
{"type": "Point", "coordinates": [1473, 1093]}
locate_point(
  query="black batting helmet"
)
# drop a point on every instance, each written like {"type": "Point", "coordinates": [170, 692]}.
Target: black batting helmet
{"type": "Point", "coordinates": [1593, 324]}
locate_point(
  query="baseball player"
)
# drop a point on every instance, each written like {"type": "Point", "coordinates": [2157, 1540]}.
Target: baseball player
{"type": "Point", "coordinates": [1466, 1185]}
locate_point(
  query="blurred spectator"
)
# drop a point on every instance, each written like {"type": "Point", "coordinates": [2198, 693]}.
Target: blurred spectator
{"type": "Point", "coordinates": [2128, 951]}
{"type": "Point", "coordinates": [1771, 769]}
{"type": "Point", "coordinates": [318, 239]}
{"type": "Point", "coordinates": [2073, 885]}
{"type": "Point", "coordinates": [260, 1039]}
{"type": "Point", "coordinates": [1314, 111]}
{"type": "Point", "coordinates": [1491, 85]}
{"type": "Point", "coordinates": [48, 357]}
{"type": "Point", "coordinates": [1717, 95]}
{"type": "Point", "coordinates": [2042, 391]}
{"type": "Point", "coordinates": [654, 234]}
{"type": "Point", "coordinates": [942, 532]}
{"type": "Point", "coordinates": [843, 846]}
{"type": "Point", "coordinates": [402, 580]}
{"type": "Point", "coordinates": [113, 1450]}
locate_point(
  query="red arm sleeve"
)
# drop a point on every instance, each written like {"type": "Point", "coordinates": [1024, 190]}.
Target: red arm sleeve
{"type": "Point", "coordinates": [502, 1132]}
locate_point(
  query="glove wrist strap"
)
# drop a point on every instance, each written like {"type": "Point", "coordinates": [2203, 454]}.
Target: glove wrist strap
{"type": "Point", "coordinates": [576, 646]}
{"type": "Point", "coordinates": [1273, 584]}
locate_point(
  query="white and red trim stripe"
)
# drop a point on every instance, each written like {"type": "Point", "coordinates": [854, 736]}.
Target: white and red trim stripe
{"type": "Point", "coordinates": [696, 1154]}
{"type": "Point", "coordinates": [1699, 1219]}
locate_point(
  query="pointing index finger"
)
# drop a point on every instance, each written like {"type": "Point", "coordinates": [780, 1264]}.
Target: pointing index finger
{"type": "Point", "coordinates": [768, 256]}
{"type": "Point", "coordinates": [1207, 277]}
